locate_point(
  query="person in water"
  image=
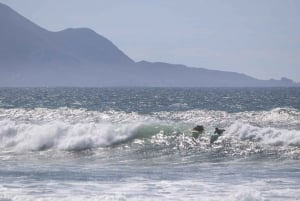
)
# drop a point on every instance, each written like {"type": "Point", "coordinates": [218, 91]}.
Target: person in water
{"type": "Point", "coordinates": [218, 132]}
{"type": "Point", "coordinates": [199, 129]}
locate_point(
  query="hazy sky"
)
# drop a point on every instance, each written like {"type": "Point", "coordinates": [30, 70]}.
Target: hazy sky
{"type": "Point", "coordinates": [258, 37]}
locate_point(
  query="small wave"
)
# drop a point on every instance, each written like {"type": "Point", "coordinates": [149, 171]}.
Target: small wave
{"type": "Point", "coordinates": [178, 106]}
{"type": "Point", "coordinates": [246, 196]}
{"type": "Point", "coordinates": [278, 117]}
{"type": "Point", "coordinates": [268, 135]}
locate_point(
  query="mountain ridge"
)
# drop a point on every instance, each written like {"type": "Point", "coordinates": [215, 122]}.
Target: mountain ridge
{"type": "Point", "coordinates": [33, 56]}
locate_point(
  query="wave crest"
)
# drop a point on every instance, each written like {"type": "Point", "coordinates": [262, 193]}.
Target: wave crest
{"type": "Point", "coordinates": [61, 135]}
{"type": "Point", "coordinates": [267, 135]}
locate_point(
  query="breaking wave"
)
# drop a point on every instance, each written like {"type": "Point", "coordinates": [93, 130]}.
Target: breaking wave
{"type": "Point", "coordinates": [268, 135]}
{"type": "Point", "coordinates": [62, 135]}
{"type": "Point", "coordinates": [77, 129]}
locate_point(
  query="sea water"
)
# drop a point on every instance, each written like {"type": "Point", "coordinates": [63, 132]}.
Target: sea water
{"type": "Point", "coordinates": [136, 144]}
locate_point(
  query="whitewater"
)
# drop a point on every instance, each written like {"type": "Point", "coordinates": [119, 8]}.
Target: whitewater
{"type": "Point", "coordinates": [137, 144]}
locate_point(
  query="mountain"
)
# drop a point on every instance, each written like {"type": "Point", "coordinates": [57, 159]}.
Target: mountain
{"type": "Point", "coordinates": [33, 56]}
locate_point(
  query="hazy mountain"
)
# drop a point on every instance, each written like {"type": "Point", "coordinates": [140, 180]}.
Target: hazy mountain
{"type": "Point", "coordinates": [33, 56]}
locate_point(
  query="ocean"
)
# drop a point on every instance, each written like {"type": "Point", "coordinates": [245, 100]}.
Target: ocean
{"type": "Point", "coordinates": [137, 144]}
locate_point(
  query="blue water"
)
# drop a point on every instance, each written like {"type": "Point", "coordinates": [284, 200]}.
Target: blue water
{"type": "Point", "coordinates": [147, 100]}
{"type": "Point", "coordinates": [137, 144]}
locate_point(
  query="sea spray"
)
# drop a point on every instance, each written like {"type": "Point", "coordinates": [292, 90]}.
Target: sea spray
{"type": "Point", "coordinates": [61, 135]}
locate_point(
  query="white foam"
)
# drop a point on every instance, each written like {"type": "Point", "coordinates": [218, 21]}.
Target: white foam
{"type": "Point", "coordinates": [248, 195]}
{"type": "Point", "coordinates": [79, 129]}
{"type": "Point", "coordinates": [267, 135]}
{"type": "Point", "coordinates": [21, 136]}
{"type": "Point", "coordinates": [141, 189]}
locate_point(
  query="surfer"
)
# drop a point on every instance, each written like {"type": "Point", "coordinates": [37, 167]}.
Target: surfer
{"type": "Point", "coordinates": [199, 129]}
{"type": "Point", "coordinates": [218, 132]}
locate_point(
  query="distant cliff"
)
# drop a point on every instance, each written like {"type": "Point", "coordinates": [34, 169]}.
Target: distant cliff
{"type": "Point", "coordinates": [33, 56]}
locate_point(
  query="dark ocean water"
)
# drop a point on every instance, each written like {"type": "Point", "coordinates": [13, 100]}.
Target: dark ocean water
{"type": "Point", "coordinates": [137, 144]}
{"type": "Point", "coordinates": [147, 100]}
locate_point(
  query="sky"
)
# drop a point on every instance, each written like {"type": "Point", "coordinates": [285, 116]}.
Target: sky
{"type": "Point", "coordinates": [260, 38]}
